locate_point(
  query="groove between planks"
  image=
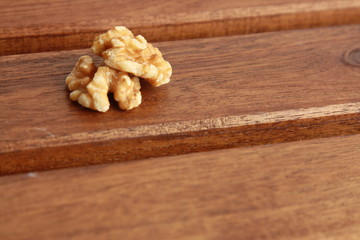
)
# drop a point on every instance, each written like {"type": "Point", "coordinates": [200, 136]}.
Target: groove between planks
{"type": "Point", "coordinates": [67, 28]}
{"type": "Point", "coordinates": [184, 127]}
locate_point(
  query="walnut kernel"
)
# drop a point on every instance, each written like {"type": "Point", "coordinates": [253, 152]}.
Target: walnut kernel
{"type": "Point", "coordinates": [94, 94]}
{"type": "Point", "coordinates": [122, 51]}
{"type": "Point", "coordinates": [126, 58]}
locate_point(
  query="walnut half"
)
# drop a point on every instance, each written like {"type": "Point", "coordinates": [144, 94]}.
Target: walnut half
{"type": "Point", "coordinates": [122, 51]}
{"type": "Point", "coordinates": [94, 94]}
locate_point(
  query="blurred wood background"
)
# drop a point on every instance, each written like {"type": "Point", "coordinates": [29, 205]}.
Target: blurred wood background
{"type": "Point", "coordinates": [28, 26]}
{"type": "Point", "coordinates": [263, 113]}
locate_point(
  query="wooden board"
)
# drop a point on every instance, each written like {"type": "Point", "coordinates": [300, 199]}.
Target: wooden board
{"type": "Point", "coordinates": [32, 26]}
{"type": "Point", "coordinates": [225, 92]}
{"type": "Point", "coordinates": [300, 190]}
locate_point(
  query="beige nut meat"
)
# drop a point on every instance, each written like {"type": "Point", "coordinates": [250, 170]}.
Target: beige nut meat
{"type": "Point", "coordinates": [105, 41]}
{"type": "Point", "coordinates": [94, 95]}
{"type": "Point", "coordinates": [122, 51]}
{"type": "Point", "coordinates": [127, 91]}
{"type": "Point", "coordinates": [80, 77]}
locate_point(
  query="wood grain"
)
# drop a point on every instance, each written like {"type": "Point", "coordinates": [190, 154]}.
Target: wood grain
{"type": "Point", "coordinates": [256, 89]}
{"type": "Point", "coordinates": [300, 190]}
{"type": "Point", "coordinates": [32, 26]}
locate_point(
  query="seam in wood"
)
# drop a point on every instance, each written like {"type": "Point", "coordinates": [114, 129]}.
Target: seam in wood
{"type": "Point", "coordinates": [186, 126]}
{"type": "Point", "coordinates": [193, 18]}
{"type": "Point", "coordinates": [28, 39]}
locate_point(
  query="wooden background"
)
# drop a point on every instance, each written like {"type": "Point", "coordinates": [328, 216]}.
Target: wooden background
{"type": "Point", "coordinates": [283, 105]}
{"type": "Point", "coordinates": [28, 26]}
{"type": "Point", "coordinates": [298, 190]}
{"type": "Point", "coordinates": [249, 90]}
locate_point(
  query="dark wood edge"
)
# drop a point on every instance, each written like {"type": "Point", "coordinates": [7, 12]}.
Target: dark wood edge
{"type": "Point", "coordinates": [175, 144]}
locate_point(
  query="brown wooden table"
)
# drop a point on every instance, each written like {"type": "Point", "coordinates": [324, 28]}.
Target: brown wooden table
{"type": "Point", "coordinates": [256, 136]}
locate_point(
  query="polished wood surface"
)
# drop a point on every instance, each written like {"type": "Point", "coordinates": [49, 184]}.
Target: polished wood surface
{"type": "Point", "coordinates": [283, 107]}
{"type": "Point", "coordinates": [225, 92]}
{"type": "Point", "coordinates": [31, 26]}
{"type": "Point", "coordinates": [300, 190]}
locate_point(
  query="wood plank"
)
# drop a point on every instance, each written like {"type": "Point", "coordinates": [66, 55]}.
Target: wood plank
{"type": "Point", "coordinates": [31, 26]}
{"type": "Point", "coordinates": [225, 92]}
{"type": "Point", "coordinates": [299, 190]}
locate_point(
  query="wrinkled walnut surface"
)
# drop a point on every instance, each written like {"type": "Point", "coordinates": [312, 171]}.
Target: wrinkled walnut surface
{"type": "Point", "coordinates": [122, 51]}
{"type": "Point", "coordinates": [90, 86]}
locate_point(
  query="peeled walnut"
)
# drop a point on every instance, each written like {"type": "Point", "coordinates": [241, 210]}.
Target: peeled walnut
{"type": "Point", "coordinates": [122, 51]}
{"type": "Point", "coordinates": [126, 58]}
{"type": "Point", "coordinates": [94, 95]}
